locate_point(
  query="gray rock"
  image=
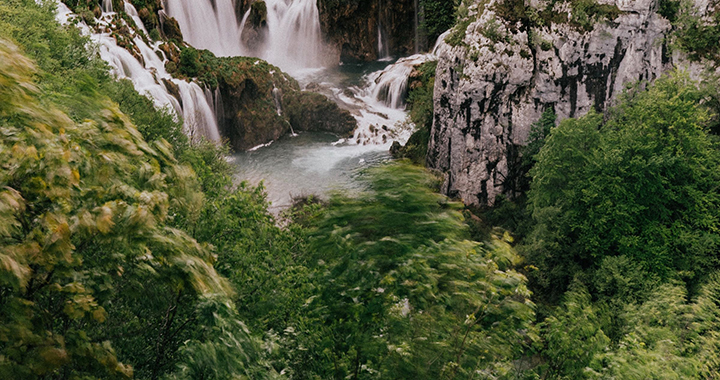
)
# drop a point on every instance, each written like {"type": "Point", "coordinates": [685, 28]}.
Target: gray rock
{"type": "Point", "coordinates": [488, 92]}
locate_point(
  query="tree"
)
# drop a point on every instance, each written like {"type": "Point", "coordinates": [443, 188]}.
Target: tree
{"type": "Point", "coordinates": [86, 239]}
{"type": "Point", "coordinates": [642, 184]}
{"type": "Point", "coordinates": [404, 295]}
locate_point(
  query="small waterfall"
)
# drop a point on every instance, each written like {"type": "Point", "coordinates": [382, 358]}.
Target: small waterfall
{"type": "Point", "coordinates": [132, 12]}
{"type": "Point", "coordinates": [294, 39]}
{"type": "Point", "coordinates": [383, 48]}
{"type": "Point", "coordinates": [149, 78]}
{"type": "Point", "coordinates": [277, 98]}
{"type": "Point", "coordinates": [389, 86]}
{"type": "Point", "coordinates": [383, 45]}
{"type": "Point", "coordinates": [107, 6]}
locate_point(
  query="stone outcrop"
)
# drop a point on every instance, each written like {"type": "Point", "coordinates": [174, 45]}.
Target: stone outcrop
{"type": "Point", "coordinates": [313, 112]}
{"type": "Point", "coordinates": [502, 75]}
{"type": "Point", "coordinates": [257, 103]}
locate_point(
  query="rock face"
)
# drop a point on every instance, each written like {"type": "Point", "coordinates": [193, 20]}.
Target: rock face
{"type": "Point", "coordinates": [351, 27]}
{"type": "Point", "coordinates": [257, 103]}
{"type": "Point", "coordinates": [496, 83]}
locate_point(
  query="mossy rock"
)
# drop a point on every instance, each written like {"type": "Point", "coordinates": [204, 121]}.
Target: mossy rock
{"type": "Point", "coordinates": [258, 14]}
{"type": "Point", "coordinates": [309, 111]}
{"type": "Point", "coordinates": [171, 29]}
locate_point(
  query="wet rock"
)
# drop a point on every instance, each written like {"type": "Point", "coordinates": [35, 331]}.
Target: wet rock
{"type": "Point", "coordinates": [352, 27]}
{"type": "Point", "coordinates": [309, 111]}
{"type": "Point", "coordinates": [255, 28]}
{"type": "Point", "coordinates": [173, 89]}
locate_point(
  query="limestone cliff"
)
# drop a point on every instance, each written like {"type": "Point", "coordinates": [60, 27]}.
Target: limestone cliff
{"type": "Point", "coordinates": [515, 60]}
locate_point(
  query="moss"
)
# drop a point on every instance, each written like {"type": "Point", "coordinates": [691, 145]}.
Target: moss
{"type": "Point", "coordinates": [583, 16]}
{"type": "Point", "coordinates": [258, 14]}
{"type": "Point", "coordinates": [189, 63]}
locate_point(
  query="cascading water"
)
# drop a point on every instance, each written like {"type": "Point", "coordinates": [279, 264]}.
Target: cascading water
{"type": "Point", "coordinates": [148, 77]}
{"type": "Point", "coordinates": [107, 6]}
{"type": "Point", "coordinates": [293, 41]}
{"type": "Point", "coordinates": [208, 24]}
{"type": "Point", "coordinates": [383, 44]}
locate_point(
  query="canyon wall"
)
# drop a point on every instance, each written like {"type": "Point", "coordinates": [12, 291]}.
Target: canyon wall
{"type": "Point", "coordinates": [496, 79]}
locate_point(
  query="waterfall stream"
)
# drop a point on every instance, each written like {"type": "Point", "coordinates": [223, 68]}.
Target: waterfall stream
{"type": "Point", "coordinates": [149, 76]}
{"type": "Point", "coordinates": [289, 37]}
{"type": "Point", "coordinates": [292, 39]}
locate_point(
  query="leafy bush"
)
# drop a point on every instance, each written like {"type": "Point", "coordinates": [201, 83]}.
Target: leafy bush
{"type": "Point", "coordinates": [439, 16]}
{"type": "Point", "coordinates": [189, 63]}
{"type": "Point", "coordinates": [641, 184]}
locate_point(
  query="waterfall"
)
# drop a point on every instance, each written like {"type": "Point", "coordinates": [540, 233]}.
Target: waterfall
{"type": "Point", "coordinates": [383, 45]}
{"type": "Point", "coordinates": [132, 12]}
{"type": "Point", "coordinates": [294, 38]}
{"type": "Point", "coordinates": [149, 77]}
{"type": "Point", "coordinates": [389, 86]}
{"type": "Point", "coordinates": [208, 24]}
{"type": "Point", "coordinates": [277, 98]}
{"type": "Point", "coordinates": [107, 6]}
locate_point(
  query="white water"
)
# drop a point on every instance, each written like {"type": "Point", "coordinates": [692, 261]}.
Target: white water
{"type": "Point", "coordinates": [293, 41]}
{"type": "Point", "coordinates": [196, 108]}
{"type": "Point", "coordinates": [207, 27]}
{"type": "Point", "coordinates": [107, 6]}
{"type": "Point", "coordinates": [390, 85]}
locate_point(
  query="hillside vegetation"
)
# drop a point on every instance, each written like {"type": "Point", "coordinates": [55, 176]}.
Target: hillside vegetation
{"type": "Point", "coordinates": [128, 251]}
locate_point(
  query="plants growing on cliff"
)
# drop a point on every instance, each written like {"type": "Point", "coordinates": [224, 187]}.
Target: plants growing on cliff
{"type": "Point", "coordinates": [420, 104]}
{"type": "Point", "coordinates": [697, 35]}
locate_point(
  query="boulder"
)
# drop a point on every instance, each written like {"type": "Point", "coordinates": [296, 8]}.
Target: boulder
{"type": "Point", "coordinates": [309, 111]}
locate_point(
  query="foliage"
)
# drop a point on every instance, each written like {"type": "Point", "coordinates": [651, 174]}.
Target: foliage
{"type": "Point", "coordinates": [571, 336]}
{"type": "Point", "coordinates": [669, 9]}
{"type": "Point", "coordinates": [641, 185]}
{"type": "Point", "coordinates": [420, 105]}
{"type": "Point", "coordinates": [399, 280]}
{"type": "Point", "coordinates": [654, 344]}
{"type": "Point", "coordinates": [695, 34]}
{"type": "Point", "coordinates": [582, 15]}
{"type": "Point", "coordinates": [73, 193]}
{"type": "Point", "coordinates": [438, 16]}
{"type": "Point", "coordinates": [189, 64]}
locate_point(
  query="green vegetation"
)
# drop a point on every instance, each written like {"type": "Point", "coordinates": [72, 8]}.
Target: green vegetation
{"type": "Point", "coordinates": [420, 105]}
{"type": "Point", "coordinates": [640, 185]}
{"type": "Point", "coordinates": [438, 16]}
{"type": "Point", "coordinates": [128, 252]}
{"type": "Point", "coordinates": [695, 34]}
